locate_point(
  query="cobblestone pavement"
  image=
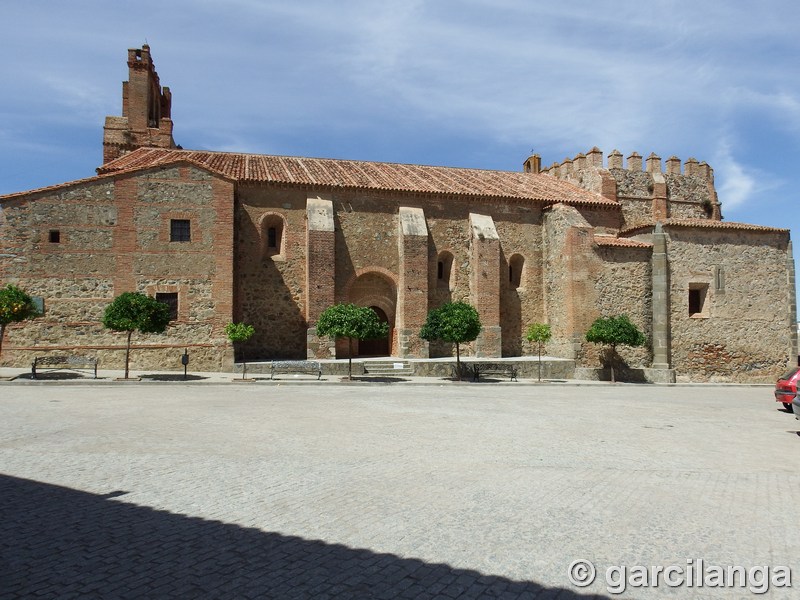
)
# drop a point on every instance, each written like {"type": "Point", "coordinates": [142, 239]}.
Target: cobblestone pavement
{"type": "Point", "coordinates": [426, 491]}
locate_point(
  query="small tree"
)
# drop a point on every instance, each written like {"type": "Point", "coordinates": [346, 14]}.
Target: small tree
{"type": "Point", "coordinates": [134, 311]}
{"type": "Point", "coordinates": [15, 306]}
{"type": "Point", "coordinates": [455, 323]}
{"type": "Point", "coordinates": [351, 322]}
{"type": "Point", "coordinates": [240, 332]}
{"type": "Point", "coordinates": [539, 333]}
{"type": "Point", "coordinates": [615, 331]}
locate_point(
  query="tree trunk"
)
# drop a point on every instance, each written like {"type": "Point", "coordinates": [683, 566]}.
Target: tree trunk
{"type": "Point", "coordinates": [2, 334]}
{"type": "Point", "coordinates": [128, 353]}
{"type": "Point", "coordinates": [540, 362]}
{"type": "Point", "coordinates": [458, 362]}
{"type": "Point", "coordinates": [611, 362]}
{"type": "Point", "coordinates": [350, 359]}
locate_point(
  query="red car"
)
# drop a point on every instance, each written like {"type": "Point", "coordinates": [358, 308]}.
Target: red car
{"type": "Point", "coordinates": [786, 388]}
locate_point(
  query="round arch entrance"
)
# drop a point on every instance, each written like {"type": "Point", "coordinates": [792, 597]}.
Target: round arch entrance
{"type": "Point", "coordinates": [378, 291]}
{"type": "Point", "coordinates": [379, 347]}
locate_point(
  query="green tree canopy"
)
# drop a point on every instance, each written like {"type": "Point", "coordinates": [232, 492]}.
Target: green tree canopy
{"type": "Point", "coordinates": [134, 311]}
{"type": "Point", "coordinates": [615, 331]}
{"type": "Point", "coordinates": [455, 323]}
{"type": "Point", "coordinates": [15, 306]}
{"type": "Point", "coordinates": [240, 332]}
{"type": "Point", "coordinates": [351, 322]}
{"type": "Point", "coordinates": [539, 333]}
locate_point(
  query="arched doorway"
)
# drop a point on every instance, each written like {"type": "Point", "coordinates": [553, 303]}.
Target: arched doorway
{"type": "Point", "coordinates": [376, 289]}
{"type": "Point", "coordinates": [379, 347]}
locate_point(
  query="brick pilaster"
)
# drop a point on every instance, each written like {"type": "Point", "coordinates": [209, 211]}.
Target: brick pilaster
{"type": "Point", "coordinates": [320, 275]}
{"type": "Point", "coordinates": [660, 205]}
{"type": "Point", "coordinates": [661, 301]}
{"type": "Point", "coordinates": [125, 199]}
{"type": "Point", "coordinates": [485, 284]}
{"type": "Point", "coordinates": [412, 290]}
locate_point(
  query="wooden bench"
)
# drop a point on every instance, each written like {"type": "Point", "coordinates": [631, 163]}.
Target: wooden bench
{"type": "Point", "coordinates": [480, 369]}
{"type": "Point", "coordinates": [63, 362]}
{"type": "Point", "coordinates": [311, 367]}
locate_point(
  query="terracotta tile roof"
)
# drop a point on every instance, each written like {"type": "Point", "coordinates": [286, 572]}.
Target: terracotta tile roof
{"type": "Point", "coordinates": [52, 188]}
{"type": "Point", "coordinates": [366, 175]}
{"type": "Point", "coordinates": [705, 224]}
{"type": "Point", "coordinates": [604, 240]}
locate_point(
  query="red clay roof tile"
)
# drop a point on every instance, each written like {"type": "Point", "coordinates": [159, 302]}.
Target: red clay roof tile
{"type": "Point", "coordinates": [602, 240]}
{"type": "Point", "coordinates": [363, 174]}
{"type": "Point", "coordinates": [706, 224]}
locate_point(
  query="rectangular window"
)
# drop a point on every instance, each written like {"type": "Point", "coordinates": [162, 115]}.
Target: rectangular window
{"type": "Point", "coordinates": [698, 296]}
{"type": "Point", "coordinates": [180, 230]}
{"type": "Point", "coordinates": [171, 300]}
{"type": "Point", "coordinates": [55, 236]}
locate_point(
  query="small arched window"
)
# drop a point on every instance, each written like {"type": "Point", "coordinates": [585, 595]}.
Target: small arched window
{"type": "Point", "coordinates": [516, 268]}
{"type": "Point", "coordinates": [273, 234]}
{"type": "Point", "coordinates": [444, 269]}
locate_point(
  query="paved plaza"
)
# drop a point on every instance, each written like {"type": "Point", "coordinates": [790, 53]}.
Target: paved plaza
{"type": "Point", "coordinates": [439, 490]}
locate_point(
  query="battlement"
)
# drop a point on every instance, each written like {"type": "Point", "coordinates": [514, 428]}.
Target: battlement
{"type": "Point", "coordinates": [593, 159]}
{"type": "Point", "coordinates": [647, 188]}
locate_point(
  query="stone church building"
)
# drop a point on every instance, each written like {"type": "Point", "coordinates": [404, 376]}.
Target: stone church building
{"type": "Point", "coordinates": [274, 240]}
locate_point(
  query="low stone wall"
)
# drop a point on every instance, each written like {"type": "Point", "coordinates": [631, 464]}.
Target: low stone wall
{"type": "Point", "coordinates": [627, 375]}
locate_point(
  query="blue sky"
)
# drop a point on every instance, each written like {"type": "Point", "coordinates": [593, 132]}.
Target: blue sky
{"type": "Point", "coordinates": [469, 83]}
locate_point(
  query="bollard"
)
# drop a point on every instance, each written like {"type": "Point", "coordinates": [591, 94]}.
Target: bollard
{"type": "Point", "coordinates": [185, 361]}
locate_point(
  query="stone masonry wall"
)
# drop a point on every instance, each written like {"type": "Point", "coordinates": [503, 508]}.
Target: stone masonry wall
{"type": "Point", "coordinates": [623, 287]}
{"type": "Point", "coordinates": [271, 290]}
{"type": "Point", "coordinates": [114, 237]}
{"type": "Point", "coordinates": [744, 333]}
{"type": "Point", "coordinates": [646, 189]}
{"type": "Point", "coordinates": [271, 287]}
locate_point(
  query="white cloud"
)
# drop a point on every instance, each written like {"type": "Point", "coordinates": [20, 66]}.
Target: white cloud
{"type": "Point", "coordinates": [738, 181]}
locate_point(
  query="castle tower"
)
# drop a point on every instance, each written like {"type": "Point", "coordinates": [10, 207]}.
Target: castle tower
{"type": "Point", "coordinates": [146, 108]}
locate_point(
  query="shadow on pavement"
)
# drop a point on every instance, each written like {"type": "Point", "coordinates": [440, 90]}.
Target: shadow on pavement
{"type": "Point", "coordinates": [58, 542]}
{"type": "Point", "coordinates": [172, 377]}
{"type": "Point", "coordinates": [54, 376]}
{"type": "Point", "coordinates": [375, 378]}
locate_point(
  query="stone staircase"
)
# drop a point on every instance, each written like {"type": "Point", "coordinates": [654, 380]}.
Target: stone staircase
{"type": "Point", "coordinates": [388, 368]}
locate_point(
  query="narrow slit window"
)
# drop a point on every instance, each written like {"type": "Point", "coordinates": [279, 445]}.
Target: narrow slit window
{"type": "Point", "coordinates": [444, 268]}
{"type": "Point", "coordinates": [516, 266]}
{"type": "Point", "coordinates": [54, 236]}
{"type": "Point", "coordinates": [272, 235]}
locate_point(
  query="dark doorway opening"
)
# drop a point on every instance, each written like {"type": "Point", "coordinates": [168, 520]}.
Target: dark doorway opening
{"type": "Point", "coordinates": [378, 347]}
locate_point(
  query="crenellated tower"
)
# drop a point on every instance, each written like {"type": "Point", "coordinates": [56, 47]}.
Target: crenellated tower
{"type": "Point", "coordinates": [146, 110]}
{"type": "Point", "coordinates": [647, 192]}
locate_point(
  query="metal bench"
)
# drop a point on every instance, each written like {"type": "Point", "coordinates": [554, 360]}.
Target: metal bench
{"type": "Point", "coordinates": [310, 367]}
{"type": "Point", "coordinates": [480, 369]}
{"type": "Point", "coordinates": [63, 362]}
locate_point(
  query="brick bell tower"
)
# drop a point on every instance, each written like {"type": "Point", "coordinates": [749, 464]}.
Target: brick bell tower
{"type": "Point", "coordinates": [146, 109]}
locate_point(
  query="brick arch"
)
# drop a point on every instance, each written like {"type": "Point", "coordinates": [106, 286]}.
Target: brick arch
{"type": "Point", "coordinates": [516, 271]}
{"type": "Point", "coordinates": [375, 287]}
{"type": "Point", "coordinates": [277, 221]}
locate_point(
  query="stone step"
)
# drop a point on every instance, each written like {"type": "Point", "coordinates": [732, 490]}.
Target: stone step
{"type": "Point", "coordinates": [388, 368]}
{"type": "Point", "coordinates": [389, 372]}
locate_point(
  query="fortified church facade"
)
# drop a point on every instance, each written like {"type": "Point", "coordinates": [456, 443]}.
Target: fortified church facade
{"type": "Point", "coordinates": [274, 240]}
